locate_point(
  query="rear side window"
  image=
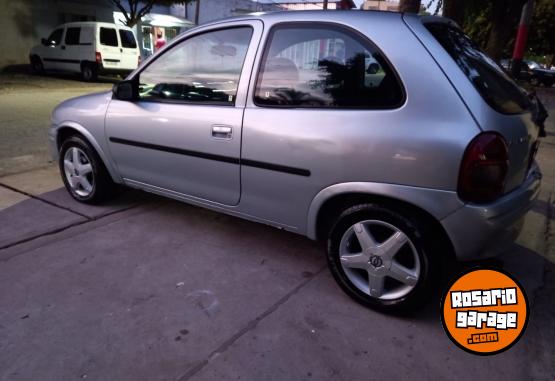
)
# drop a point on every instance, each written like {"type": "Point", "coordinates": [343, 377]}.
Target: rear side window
{"type": "Point", "coordinates": [108, 37]}
{"type": "Point", "coordinates": [72, 36]}
{"type": "Point", "coordinates": [325, 66]}
{"type": "Point", "coordinates": [493, 84]}
{"type": "Point", "coordinates": [127, 39]}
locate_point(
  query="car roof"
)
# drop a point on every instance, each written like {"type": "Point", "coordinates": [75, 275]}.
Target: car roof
{"type": "Point", "coordinates": [309, 15]}
{"type": "Point", "coordinates": [93, 23]}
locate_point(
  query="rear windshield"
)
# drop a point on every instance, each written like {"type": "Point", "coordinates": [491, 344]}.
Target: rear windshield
{"type": "Point", "coordinates": [127, 39]}
{"type": "Point", "coordinates": [108, 37]}
{"type": "Point", "coordinates": [493, 84]}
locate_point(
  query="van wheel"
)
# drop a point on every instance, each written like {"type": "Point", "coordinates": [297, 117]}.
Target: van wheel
{"type": "Point", "coordinates": [380, 258]}
{"type": "Point", "coordinates": [88, 72]}
{"type": "Point", "coordinates": [83, 172]}
{"type": "Point", "coordinates": [36, 65]}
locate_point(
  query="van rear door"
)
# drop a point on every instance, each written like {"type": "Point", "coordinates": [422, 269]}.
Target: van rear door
{"type": "Point", "coordinates": [129, 49]}
{"type": "Point", "coordinates": [109, 47]}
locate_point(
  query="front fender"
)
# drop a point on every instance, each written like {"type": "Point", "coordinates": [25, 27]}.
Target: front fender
{"type": "Point", "coordinates": [55, 148]}
{"type": "Point", "coordinates": [438, 203]}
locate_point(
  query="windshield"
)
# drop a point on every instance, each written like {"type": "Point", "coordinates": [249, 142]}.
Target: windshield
{"type": "Point", "coordinates": [493, 84]}
{"type": "Point", "coordinates": [533, 65]}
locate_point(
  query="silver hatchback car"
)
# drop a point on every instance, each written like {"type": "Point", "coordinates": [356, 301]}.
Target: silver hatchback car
{"type": "Point", "coordinates": [391, 137]}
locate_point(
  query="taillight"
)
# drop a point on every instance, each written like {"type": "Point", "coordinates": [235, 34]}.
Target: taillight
{"type": "Point", "coordinates": [98, 57]}
{"type": "Point", "coordinates": [484, 168]}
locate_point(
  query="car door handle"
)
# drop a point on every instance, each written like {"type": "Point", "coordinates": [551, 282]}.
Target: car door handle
{"type": "Point", "coordinates": [221, 131]}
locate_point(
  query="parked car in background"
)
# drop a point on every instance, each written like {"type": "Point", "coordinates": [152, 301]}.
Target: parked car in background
{"type": "Point", "coordinates": [533, 72]}
{"type": "Point", "coordinates": [88, 48]}
{"type": "Point", "coordinates": [389, 136]}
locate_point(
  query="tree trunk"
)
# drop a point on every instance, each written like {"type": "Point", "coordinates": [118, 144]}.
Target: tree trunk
{"type": "Point", "coordinates": [454, 9]}
{"type": "Point", "coordinates": [411, 6]}
{"type": "Point", "coordinates": [504, 19]}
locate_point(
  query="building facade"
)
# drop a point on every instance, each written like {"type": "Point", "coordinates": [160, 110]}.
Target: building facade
{"type": "Point", "coordinates": [380, 5]}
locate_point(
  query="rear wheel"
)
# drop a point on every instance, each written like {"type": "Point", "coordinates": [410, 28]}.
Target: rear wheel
{"type": "Point", "coordinates": [85, 176]}
{"type": "Point", "coordinates": [89, 72]}
{"type": "Point", "coordinates": [380, 258]}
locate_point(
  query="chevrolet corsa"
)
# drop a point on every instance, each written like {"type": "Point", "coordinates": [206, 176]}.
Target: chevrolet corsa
{"type": "Point", "coordinates": [389, 136]}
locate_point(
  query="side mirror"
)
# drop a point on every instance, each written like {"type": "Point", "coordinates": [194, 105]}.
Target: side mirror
{"type": "Point", "coordinates": [373, 68]}
{"type": "Point", "coordinates": [126, 90]}
{"type": "Point", "coordinates": [43, 41]}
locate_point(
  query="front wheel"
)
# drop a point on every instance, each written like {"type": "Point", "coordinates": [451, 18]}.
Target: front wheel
{"type": "Point", "coordinates": [380, 258]}
{"type": "Point", "coordinates": [36, 65]}
{"type": "Point", "coordinates": [85, 177]}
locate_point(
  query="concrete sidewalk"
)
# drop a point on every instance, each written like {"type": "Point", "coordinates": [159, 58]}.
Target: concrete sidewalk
{"type": "Point", "coordinates": [146, 288]}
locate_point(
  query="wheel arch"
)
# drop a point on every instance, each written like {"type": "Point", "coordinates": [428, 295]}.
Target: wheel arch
{"type": "Point", "coordinates": [429, 205]}
{"type": "Point", "coordinates": [70, 129]}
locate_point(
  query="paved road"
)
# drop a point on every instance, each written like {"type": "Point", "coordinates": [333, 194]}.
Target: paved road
{"type": "Point", "coordinates": [145, 288]}
{"type": "Point", "coordinates": [25, 106]}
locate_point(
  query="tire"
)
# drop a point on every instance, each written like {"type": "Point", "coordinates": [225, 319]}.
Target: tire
{"type": "Point", "coordinates": [89, 72]}
{"type": "Point", "coordinates": [405, 253]}
{"type": "Point", "coordinates": [534, 81]}
{"type": "Point", "coordinates": [36, 65]}
{"type": "Point", "coordinates": [88, 182]}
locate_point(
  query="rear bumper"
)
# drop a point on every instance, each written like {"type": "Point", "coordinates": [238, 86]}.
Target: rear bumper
{"type": "Point", "coordinates": [483, 231]}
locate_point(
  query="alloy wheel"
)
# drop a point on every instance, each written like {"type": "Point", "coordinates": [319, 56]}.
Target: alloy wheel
{"type": "Point", "coordinates": [379, 259]}
{"type": "Point", "coordinates": [78, 171]}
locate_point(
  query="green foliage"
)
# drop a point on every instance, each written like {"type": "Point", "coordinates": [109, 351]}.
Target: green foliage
{"type": "Point", "coordinates": [477, 24]}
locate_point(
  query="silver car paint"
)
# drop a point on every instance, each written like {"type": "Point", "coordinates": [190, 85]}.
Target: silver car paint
{"type": "Point", "coordinates": [411, 153]}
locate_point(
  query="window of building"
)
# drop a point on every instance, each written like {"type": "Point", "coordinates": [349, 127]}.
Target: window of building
{"type": "Point", "coordinates": [325, 66]}
{"type": "Point", "coordinates": [108, 37]}
{"type": "Point", "coordinates": [202, 69]}
{"type": "Point", "coordinates": [72, 36]}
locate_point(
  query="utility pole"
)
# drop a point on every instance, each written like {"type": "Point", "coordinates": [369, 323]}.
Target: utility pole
{"type": "Point", "coordinates": [325, 5]}
{"type": "Point", "coordinates": [197, 11]}
{"type": "Point", "coordinates": [521, 37]}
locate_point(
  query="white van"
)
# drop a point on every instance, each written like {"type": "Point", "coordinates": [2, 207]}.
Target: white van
{"type": "Point", "coordinates": [89, 48]}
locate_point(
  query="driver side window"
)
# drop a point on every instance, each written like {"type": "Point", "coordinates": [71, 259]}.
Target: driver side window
{"type": "Point", "coordinates": [55, 37]}
{"type": "Point", "coordinates": [203, 69]}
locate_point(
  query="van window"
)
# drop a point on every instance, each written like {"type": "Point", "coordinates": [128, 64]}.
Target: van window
{"type": "Point", "coordinates": [55, 37]}
{"type": "Point", "coordinates": [108, 37]}
{"type": "Point", "coordinates": [202, 69]}
{"type": "Point", "coordinates": [127, 39]}
{"type": "Point", "coordinates": [72, 36]}
{"type": "Point", "coordinates": [325, 66]}
{"type": "Point", "coordinates": [493, 84]}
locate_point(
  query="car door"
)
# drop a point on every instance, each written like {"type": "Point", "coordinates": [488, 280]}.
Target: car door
{"type": "Point", "coordinates": [129, 49]}
{"type": "Point", "coordinates": [52, 56]}
{"type": "Point", "coordinates": [109, 47]}
{"type": "Point", "coordinates": [183, 134]}
{"type": "Point", "coordinates": [71, 50]}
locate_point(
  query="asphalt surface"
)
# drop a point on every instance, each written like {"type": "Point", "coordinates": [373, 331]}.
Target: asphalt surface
{"type": "Point", "coordinates": [145, 288]}
{"type": "Point", "coordinates": [26, 102]}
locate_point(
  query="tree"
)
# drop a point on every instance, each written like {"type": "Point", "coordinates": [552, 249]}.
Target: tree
{"type": "Point", "coordinates": [411, 6]}
{"type": "Point", "coordinates": [138, 9]}
{"type": "Point", "coordinates": [492, 24]}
